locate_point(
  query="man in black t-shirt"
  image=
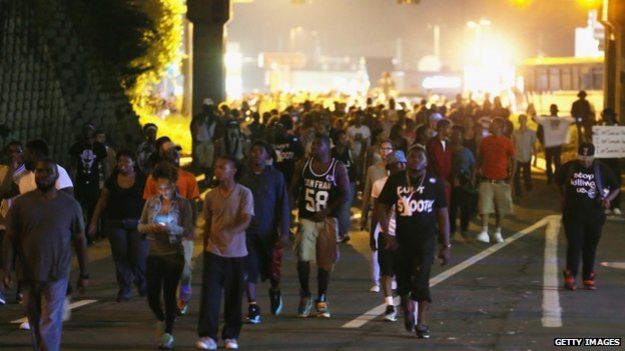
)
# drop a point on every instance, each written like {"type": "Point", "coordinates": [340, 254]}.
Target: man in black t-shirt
{"type": "Point", "coordinates": [587, 188]}
{"type": "Point", "coordinates": [288, 148]}
{"type": "Point", "coordinates": [87, 157]}
{"type": "Point", "coordinates": [419, 199]}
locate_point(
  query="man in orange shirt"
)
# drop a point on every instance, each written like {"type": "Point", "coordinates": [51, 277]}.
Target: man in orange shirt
{"type": "Point", "coordinates": [495, 160]}
{"type": "Point", "coordinates": [187, 187]}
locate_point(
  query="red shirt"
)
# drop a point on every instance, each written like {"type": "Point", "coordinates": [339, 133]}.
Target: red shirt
{"type": "Point", "coordinates": [439, 160]}
{"type": "Point", "coordinates": [495, 152]}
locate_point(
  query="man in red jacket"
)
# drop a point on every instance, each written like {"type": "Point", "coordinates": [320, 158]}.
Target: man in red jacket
{"type": "Point", "coordinates": [439, 154]}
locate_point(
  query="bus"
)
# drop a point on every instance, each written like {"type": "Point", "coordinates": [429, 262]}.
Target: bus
{"type": "Point", "coordinates": [557, 80]}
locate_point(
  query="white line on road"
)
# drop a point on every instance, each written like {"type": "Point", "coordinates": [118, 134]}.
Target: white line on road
{"type": "Point", "coordinates": [619, 265]}
{"type": "Point", "coordinates": [552, 312]}
{"type": "Point", "coordinates": [72, 306]}
{"type": "Point", "coordinates": [378, 310]}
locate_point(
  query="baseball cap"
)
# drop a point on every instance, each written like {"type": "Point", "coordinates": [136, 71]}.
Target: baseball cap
{"type": "Point", "coordinates": [586, 149]}
{"type": "Point", "coordinates": [396, 157]}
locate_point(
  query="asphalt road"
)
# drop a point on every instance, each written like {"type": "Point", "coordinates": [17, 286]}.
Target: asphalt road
{"type": "Point", "coordinates": [498, 302]}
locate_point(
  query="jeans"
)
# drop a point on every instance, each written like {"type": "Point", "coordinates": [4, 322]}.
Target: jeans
{"type": "Point", "coordinates": [129, 251]}
{"type": "Point", "coordinates": [43, 302]}
{"type": "Point", "coordinates": [163, 274]}
{"type": "Point", "coordinates": [526, 168]}
{"type": "Point", "coordinates": [582, 238]}
{"type": "Point", "coordinates": [552, 156]}
{"type": "Point", "coordinates": [221, 274]}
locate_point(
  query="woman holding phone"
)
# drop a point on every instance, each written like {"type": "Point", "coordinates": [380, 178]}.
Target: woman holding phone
{"type": "Point", "coordinates": [167, 218]}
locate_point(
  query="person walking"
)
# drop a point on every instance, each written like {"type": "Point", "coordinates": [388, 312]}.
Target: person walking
{"type": "Point", "coordinates": [324, 189]}
{"type": "Point", "coordinates": [13, 151]}
{"type": "Point", "coordinates": [587, 187]}
{"type": "Point", "coordinates": [523, 139]}
{"type": "Point", "coordinates": [553, 132]}
{"type": "Point", "coordinates": [421, 213]}
{"type": "Point", "coordinates": [584, 115]}
{"type": "Point", "coordinates": [121, 199]}
{"type": "Point", "coordinates": [342, 152]}
{"type": "Point", "coordinates": [187, 187]}
{"type": "Point", "coordinates": [203, 126]}
{"type": "Point", "coordinates": [88, 157]}
{"type": "Point", "coordinates": [166, 219]}
{"type": "Point", "coordinates": [463, 192]}
{"type": "Point", "coordinates": [374, 173]}
{"type": "Point", "coordinates": [395, 163]}
{"type": "Point", "coordinates": [228, 211]}
{"type": "Point", "coordinates": [495, 162]}
{"type": "Point", "coordinates": [41, 227]}
{"type": "Point", "coordinates": [268, 232]}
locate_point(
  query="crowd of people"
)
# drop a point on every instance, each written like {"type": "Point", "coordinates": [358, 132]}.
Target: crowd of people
{"type": "Point", "coordinates": [419, 174]}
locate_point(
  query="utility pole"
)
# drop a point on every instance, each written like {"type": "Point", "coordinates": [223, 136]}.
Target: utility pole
{"type": "Point", "coordinates": [209, 18]}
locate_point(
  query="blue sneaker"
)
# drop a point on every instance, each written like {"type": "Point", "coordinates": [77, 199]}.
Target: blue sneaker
{"type": "Point", "coordinates": [275, 300]}
{"type": "Point", "coordinates": [166, 342]}
{"type": "Point", "coordinates": [253, 315]}
{"type": "Point", "coordinates": [305, 305]}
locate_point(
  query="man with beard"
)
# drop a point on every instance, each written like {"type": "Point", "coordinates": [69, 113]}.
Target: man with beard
{"type": "Point", "coordinates": [324, 189]}
{"type": "Point", "coordinates": [419, 200]}
{"type": "Point", "coordinates": [288, 148]}
{"type": "Point", "coordinates": [87, 156]}
{"type": "Point", "coordinates": [41, 225]}
{"type": "Point", "coordinates": [269, 224]}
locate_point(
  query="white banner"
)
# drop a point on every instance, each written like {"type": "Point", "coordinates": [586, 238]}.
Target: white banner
{"type": "Point", "coordinates": [609, 141]}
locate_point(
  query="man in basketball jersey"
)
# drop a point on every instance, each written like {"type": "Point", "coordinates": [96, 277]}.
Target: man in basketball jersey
{"type": "Point", "coordinates": [322, 185]}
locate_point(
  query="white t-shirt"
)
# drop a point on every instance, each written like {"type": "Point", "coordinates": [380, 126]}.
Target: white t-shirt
{"type": "Point", "coordinates": [556, 129]}
{"type": "Point", "coordinates": [376, 190]}
{"type": "Point", "coordinates": [25, 180]}
{"type": "Point", "coordinates": [352, 132]}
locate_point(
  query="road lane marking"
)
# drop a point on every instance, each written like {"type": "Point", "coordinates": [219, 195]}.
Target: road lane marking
{"type": "Point", "coordinates": [72, 306]}
{"type": "Point", "coordinates": [378, 310]}
{"type": "Point", "coordinates": [619, 265]}
{"type": "Point", "coordinates": [552, 312]}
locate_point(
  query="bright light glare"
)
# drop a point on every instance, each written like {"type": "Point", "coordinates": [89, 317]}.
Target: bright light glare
{"type": "Point", "coordinates": [234, 83]}
{"type": "Point", "coordinates": [489, 64]}
{"type": "Point", "coordinates": [590, 4]}
{"type": "Point", "coordinates": [442, 82]}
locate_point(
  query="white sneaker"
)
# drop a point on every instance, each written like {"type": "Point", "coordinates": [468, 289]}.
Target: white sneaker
{"type": "Point", "coordinates": [608, 212]}
{"type": "Point", "coordinates": [483, 237]}
{"type": "Point", "coordinates": [206, 343]}
{"type": "Point", "coordinates": [375, 289]}
{"type": "Point", "coordinates": [25, 326]}
{"type": "Point", "coordinates": [617, 211]}
{"type": "Point", "coordinates": [231, 344]}
{"type": "Point", "coordinates": [498, 238]}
